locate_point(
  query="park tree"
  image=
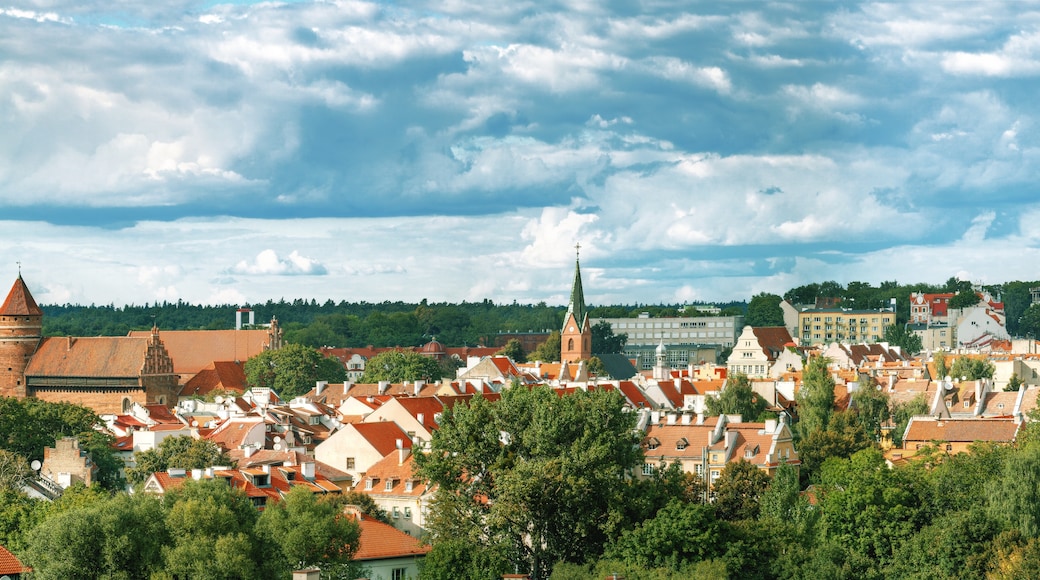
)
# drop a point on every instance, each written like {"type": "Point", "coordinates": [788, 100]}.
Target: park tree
{"type": "Point", "coordinates": [292, 370]}
{"type": "Point", "coordinates": [514, 350]}
{"type": "Point", "coordinates": [680, 533]}
{"type": "Point", "coordinates": [902, 412]}
{"type": "Point", "coordinates": [907, 340]}
{"type": "Point", "coordinates": [871, 407]}
{"type": "Point", "coordinates": [310, 531]}
{"type": "Point", "coordinates": [816, 397]}
{"type": "Point", "coordinates": [972, 369]}
{"type": "Point", "coordinates": [1014, 497]}
{"type": "Point", "coordinates": [177, 452]}
{"type": "Point", "coordinates": [14, 470]}
{"type": "Point", "coordinates": [398, 366]}
{"type": "Point", "coordinates": [738, 491]}
{"type": "Point", "coordinates": [764, 310]}
{"type": "Point", "coordinates": [548, 351]}
{"type": "Point", "coordinates": [1029, 323]}
{"type": "Point", "coordinates": [941, 370]}
{"type": "Point", "coordinates": [737, 398]}
{"type": "Point", "coordinates": [604, 341]}
{"type": "Point", "coordinates": [964, 299]}
{"type": "Point", "coordinates": [511, 474]}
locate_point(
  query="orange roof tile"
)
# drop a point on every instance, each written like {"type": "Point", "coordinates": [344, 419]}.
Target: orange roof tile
{"type": "Point", "coordinates": [961, 430]}
{"type": "Point", "coordinates": [227, 376]}
{"type": "Point", "coordinates": [194, 350]}
{"type": "Point", "coordinates": [102, 356]}
{"type": "Point", "coordinates": [383, 435]}
{"type": "Point", "coordinates": [379, 540]}
{"type": "Point", "coordinates": [19, 301]}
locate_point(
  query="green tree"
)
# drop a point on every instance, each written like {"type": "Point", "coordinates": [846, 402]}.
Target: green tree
{"type": "Point", "coordinates": [398, 366]}
{"type": "Point", "coordinates": [901, 414]}
{"type": "Point", "coordinates": [764, 310]}
{"type": "Point", "coordinates": [969, 368]}
{"type": "Point", "coordinates": [211, 531]}
{"type": "Point", "coordinates": [1014, 383]}
{"type": "Point", "coordinates": [816, 397]}
{"type": "Point", "coordinates": [310, 531]}
{"type": "Point", "coordinates": [964, 299]}
{"type": "Point", "coordinates": [604, 341]}
{"type": "Point", "coordinates": [679, 534]}
{"type": "Point", "coordinates": [292, 370]}
{"type": "Point", "coordinates": [514, 350]}
{"type": "Point", "coordinates": [119, 537]}
{"type": "Point", "coordinates": [548, 351]}
{"type": "Point", "coordinates": [364, 502]}
{"type": "Point", "coordinates": [872, 410]}
{"type": "Point", "coordinates": [941, 370]}
{"type": "Point", "coordinates": [907, 340]}
{"type": "Point", "coordinates": [737, 398]}
{"type": "Point", "coordinates": [843, 437]}
{"type": "Point", "coordinates": [738, 491]}
{"type": "Point", "coordinates": [18, 514]}
{"type": "Point", "coordinates": [1014, 497]}
{"type": "Point", "coordinates": [511, 473]}
{"type": "Point", "coordinates": [14, 471]}
{"type": "Point", "coordinates": [177, 452]}
{"type": "Point", "coordinates": [1029, 322]}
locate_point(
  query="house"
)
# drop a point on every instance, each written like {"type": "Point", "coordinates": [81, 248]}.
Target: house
{"type": "Point", "coordinates": [824, 325]}
{"type": "Point", "coordinates": [10, 566]}
{"type": "Point", "coordinates": [388, 552]}
{"type": "Point", "coordinates": [955, 435]}
{"type": "Point", "coordinates": [704, 448]}
{"type": "Point", "coordinates": [757, 350]}
{"type": "Point", "coordinates": [263, 484]}
{"type": "Point", "coordinates": [66, 463]}
{"type": "Point", "coordinates": [358, 446]}
{"type": "Point", "coordinates": [416, 416]}
{"type": "Point", "coordinates": [393, 486]}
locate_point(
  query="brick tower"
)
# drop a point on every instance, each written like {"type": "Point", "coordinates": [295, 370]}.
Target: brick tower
{"type": "Point", "coordinates": [21, 326]}
{"type": "Point", "coordinates": [576, 334]}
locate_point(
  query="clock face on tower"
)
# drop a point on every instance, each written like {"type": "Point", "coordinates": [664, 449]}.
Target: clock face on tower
{"type": "Point", "coordinates": [570, 329]}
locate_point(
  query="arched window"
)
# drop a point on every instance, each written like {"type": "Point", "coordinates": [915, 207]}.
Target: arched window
{"type": "Point", "coordinates": [570, 344]}
{"type": "Point", "coordinates": [126, 405]}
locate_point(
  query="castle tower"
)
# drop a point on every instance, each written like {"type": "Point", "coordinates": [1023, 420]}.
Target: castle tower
{"type": "Point", "coordinates": [576, 335]}
{"type": "Point", "coordinates": [21, 327]}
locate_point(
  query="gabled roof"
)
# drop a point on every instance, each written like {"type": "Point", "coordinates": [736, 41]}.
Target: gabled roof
{"type": "Point", "coordinates": [381, 541]}
{"type": "Point", "coordinates": [382, 435]}
{"type": "Point", "coordinates": [228, 376]}
{"type": "Point", "coordinates": [772, 339]}
{"type": "Point", "coordinates": [9, 564]}
{"type": "Point", "coordinates": [101, 356]}
{"type": "Point", "coordinates": [194, 350]}
{"type": "Point", "coordinates": [398, 473]}
{"type": "Point", "coordinates": [427, 406]}
{"type": "Point", "coordinates": [20, 301]}
{"type": "Point", "coordinates": [961, 430]}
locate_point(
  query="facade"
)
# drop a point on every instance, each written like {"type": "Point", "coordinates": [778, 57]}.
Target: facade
{"type": "Point", "coordinates": [757, 350]}
{"type": "Point", "coordinates": [817, 326]}
{"type": "Point", "coordinates": [21, 329]}
{"type": "Point", "coordinates": [689, 340]}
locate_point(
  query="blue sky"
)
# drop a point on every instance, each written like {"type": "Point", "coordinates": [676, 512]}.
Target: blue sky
{"type": "Point", "coordinates": [458, 150]}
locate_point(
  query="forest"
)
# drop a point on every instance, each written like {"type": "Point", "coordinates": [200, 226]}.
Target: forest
{"type": "Point", "coordinates": [357, 324]}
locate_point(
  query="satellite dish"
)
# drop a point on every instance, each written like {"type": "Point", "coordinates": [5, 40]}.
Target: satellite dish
{"type": "Point", "coordinates": [277, 439]}
{"type": "Point", "coordinates": [36, 465]}
{"type": "Point", "coordinates": [194, 423]}
{"type": "Point", "coordinates": [277, 446]}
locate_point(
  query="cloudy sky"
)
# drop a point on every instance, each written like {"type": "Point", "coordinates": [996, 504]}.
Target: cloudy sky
{"type": "Point", "coordinates": [458, 150]}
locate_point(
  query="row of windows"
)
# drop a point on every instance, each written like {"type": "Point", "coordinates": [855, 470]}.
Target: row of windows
{"type": "Point", "coordinates": [705, 334]}
{"type": "Point", "coordinates": [663, 325]}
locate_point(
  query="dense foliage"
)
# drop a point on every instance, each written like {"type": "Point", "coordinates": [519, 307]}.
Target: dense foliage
{"type": "Point", "coordinates": [177, 452]}
{"type": "Point", "coordinates": [292, 370]}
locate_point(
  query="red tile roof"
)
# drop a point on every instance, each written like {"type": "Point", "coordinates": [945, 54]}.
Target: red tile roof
{"type": "Point", "coordinates": [194, 350]}
{"type": "Point", "coordinates": [20, 301]}
{"type": "Point", "coordinates": [102, 356]}
{"type": "Point", "coordinates": [227, 376]}
{"type": "Point", "coordinates": [379, 541]}
{"type": "Point", "coordinates": [383, 435]}
{"type": "Point", "coordinates": [9, 564]}
{"type": "Point", "coordinates": [961, 430]}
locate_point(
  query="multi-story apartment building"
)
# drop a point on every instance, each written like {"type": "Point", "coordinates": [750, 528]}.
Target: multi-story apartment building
{"type": "Point", "coordinates": [688, 339]}
{"type": "Point", "coordinates": [824, 325]}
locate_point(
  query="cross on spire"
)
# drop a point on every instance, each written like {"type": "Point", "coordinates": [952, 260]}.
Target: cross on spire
{"type": "Point", "coordinates": [577, 250]}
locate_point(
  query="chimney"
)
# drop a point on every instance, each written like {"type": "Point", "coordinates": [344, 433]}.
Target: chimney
{"type": "Point", "coordinates": [308, 470]}
{"type": "Point", "coordinates": [265, 468]}
{"type": "Point", "coordinates": [319, 386]}
{"type": "Point", "coordinates": [196, 474]}
{"type": "Point", "coordinates": [402, 453]}
{"type": "Point", "coordinates": [891, 383]}
{"type": "Point", "coordinates": [384, 386]}
{"type": "Point", "coordinates": [71, 342]}
{"type": "Point", "coordinates": [248, 450]}
{"type": "Point", "coordinates": [418, 386]}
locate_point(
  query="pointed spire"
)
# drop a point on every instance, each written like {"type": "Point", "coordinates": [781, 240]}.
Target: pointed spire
{"type": "Point", "coordinates": [20, 301]}
{"type": "Point", "coordinates": [577, 304]}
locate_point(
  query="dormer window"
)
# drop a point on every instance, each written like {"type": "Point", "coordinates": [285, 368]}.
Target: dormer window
{"type": "Point", "coordinates": [369, 483]}
{"type": "Point", "coordinates": [652, 443]}
{"type": "Point", "coordinates": [408, 486]}
{"type": "Point", "coordinates": [681, 443]}
{"type": "Point", "coordinates": [389, 485]}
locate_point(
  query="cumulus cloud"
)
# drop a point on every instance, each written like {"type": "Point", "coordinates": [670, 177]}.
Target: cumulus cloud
{"type": "Point", "coordinates": [268, 263]}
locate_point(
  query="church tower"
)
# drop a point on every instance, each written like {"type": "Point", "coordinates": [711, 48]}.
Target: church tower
{"type": "Point", "coordinates": [576, 335]}
{"type": "Point", "coordinates": [21, 328]}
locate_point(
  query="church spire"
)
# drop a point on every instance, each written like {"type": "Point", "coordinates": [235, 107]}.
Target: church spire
{"type": "Point", "coordinates": [19, 301]}
{"type": "Point", "coordinates": [577, 304]}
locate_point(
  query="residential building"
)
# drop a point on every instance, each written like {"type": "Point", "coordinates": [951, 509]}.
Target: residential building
{"type": "Point", "coordinates": [757, 350]}
{"type": "Point", "coordinates": [843, 325]}
{"type": "Point", "coordinates": [387, 552]}
{"type": "Point", "coordinates": [356, 447]}
{"type": "Point", "coordinates": [10, 566]}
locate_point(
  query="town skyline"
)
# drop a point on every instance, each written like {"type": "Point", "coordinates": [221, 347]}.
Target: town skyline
{"type": "Point", "coordinates": [227, 153]}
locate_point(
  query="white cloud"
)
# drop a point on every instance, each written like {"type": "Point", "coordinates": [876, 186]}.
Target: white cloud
{"type": "Point", "coordinates": [268, 263]}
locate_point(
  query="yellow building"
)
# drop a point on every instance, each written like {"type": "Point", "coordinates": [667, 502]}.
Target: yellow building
{"type": "Point", "coordinates": [825, 325]}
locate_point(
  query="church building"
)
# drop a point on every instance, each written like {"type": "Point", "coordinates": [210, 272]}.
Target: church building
{"type": "Point", "coordinates": [576, 335]}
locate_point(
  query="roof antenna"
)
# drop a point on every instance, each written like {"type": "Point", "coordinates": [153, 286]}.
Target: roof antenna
{"type": "Point", "coordinates": [19, 269]}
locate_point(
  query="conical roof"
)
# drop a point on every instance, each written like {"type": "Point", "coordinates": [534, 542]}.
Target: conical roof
{"type": "Point", "coordinates": [577, 305]}
{"type": "Point", "coordinates": [20, 301]}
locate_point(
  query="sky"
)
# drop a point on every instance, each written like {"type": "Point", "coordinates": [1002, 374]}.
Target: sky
{"type": "Point", "coordinates": [231, 153]}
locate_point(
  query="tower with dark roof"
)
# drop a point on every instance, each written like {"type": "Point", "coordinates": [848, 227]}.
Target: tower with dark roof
{"type": "Point", "coordinates": [576, 335]}
{"type": "Point", "coordinates": [21, 328]}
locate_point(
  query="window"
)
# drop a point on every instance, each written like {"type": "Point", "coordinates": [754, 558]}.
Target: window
{"type": "Point", "coordinates": [398, 573]}
{"type": "Point", "coordinates": [350, 463]}
{"type": "Point", "coordinates": [681, 444]}
{"type": "Point", "coordinates": [652, 443]}
{"type": "Point", "coordinates": [698, 469]}
{"type": "Point", "coordinates": [407, 512]}
{"type": "Point", "coordinates": [370, 483]}
{"type": "Point", "coordinates": [570, 344]}
{"type": "Point", "coordinates": [649, 469]}
{"type": "Point", "coordinates": [397, 512]}
{"type": "Point", "coordinates": [389, 485]}
{"type": "Point", "coordinates": [408, 485]}
{"type": "Point", "coordinates": [714, 475]}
